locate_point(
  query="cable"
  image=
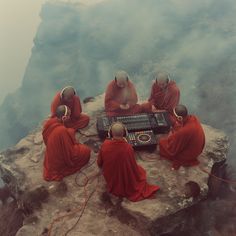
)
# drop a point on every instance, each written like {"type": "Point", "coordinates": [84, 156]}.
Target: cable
{"type": "Point", "coordinates": [84, 206]}
{"type": "Point", "coordinates": [85, 195]}
{"type": "Point", "coordinates": [224, 180]}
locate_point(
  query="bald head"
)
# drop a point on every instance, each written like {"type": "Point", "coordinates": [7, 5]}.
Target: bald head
{"type": "Point", "coordinates": [68, 93]}
{"type": "Point", "coordinates": [117, 130]}
{"type": "Point", "coordinates": [181, 110]}
{"type": "Point", "coordinates": [62, 111]}
{"type": "Point", "coordinates": [121, 79]}
{"type": "Point", "coordinates": [162, 79]}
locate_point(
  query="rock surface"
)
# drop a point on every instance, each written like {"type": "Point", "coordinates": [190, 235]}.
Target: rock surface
{"type": "Point", "coordinates": [100, 216]}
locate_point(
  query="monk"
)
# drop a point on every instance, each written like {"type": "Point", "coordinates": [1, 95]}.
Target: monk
{"type": "Point", "coordinates": [123, 176]}
{"type": "Point", "coordinates": [68, 97]}
{"type": "Point", "coordinates": [185, 142]}
{"type": "Point", "coordinates": [64, 155]}
{"type": "Point", "coordinates": [121, 97]}
{"type": "Point", "coordinates": [165, 94]}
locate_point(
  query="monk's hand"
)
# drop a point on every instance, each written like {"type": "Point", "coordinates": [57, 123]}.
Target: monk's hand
{"type": "Point", "coordinates": [154, 109]}
{"type": "Point", "coordinates": [124, 106]}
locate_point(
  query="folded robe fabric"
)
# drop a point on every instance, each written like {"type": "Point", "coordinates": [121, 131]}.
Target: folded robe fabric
{"type": "Point", "coordinates": [63, 156]}
{"type": "Point", "coordinates": [123, 176]}
{"type": "Point", "coordinates": [184, 144]}
{"type": "Point", "coordinates": [165, 99]}
{"type": "Point", "coordinates": [77, 120]}
{"type": "Point", "coordinates": [115, 96]}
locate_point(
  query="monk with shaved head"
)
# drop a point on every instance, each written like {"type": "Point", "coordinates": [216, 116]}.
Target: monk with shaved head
{"type": "Point", "coordinates": [121, 97]}
{"type": "Point", "coordinates": [123, 176]}
{"type": "Point", "coordinates": [185, 142]}
{"type": "Point", "coordinates": [165, 94]}
{"type": "Point", "coordinates": [64, 155]}
{"type": "Point", "coordinates": [68, 97]}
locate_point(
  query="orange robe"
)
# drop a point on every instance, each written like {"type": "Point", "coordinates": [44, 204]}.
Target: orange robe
{"type": "Point", "coordinates": [184, 144]}
{"type": "Point", "coordinates": [63, 156]}
{"type": "Point", "coordinates": [123, 176]}
{"type": "Point", "coordinates": [115, 96]}
{"type": "Point", "coordinates": [77, 120]}
{"type": "Point", "coordinates": [165, 99]}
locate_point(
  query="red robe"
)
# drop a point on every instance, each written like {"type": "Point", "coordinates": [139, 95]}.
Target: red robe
{"type": "Point", "coordinates": [63, 156]}
{"type": "Point", "coordinates": [184, 144]}
{"type": "Point", "coordinates": [123, 176]}
{"type": "Point", "coordinates": [114, 96]}
{"type": "Point", "coordinates": [165, 99]}
{"type": "Point", "coordinates": [77, 120]}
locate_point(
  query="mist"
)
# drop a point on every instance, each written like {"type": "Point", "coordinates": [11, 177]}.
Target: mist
{"type": "Point", "coordinates": [83, 45]}
{"type": "Point", "coordinates": [195, 41]}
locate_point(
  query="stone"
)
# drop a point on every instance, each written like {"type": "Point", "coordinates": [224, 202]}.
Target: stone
{"type": "Point", "coordinates": [130, 218]}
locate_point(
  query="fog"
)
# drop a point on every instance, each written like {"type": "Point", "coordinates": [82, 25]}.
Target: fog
{"type": "Point", "coordinates": [18, 25]}
{"type": "Point", "coordinates": [85, 44]}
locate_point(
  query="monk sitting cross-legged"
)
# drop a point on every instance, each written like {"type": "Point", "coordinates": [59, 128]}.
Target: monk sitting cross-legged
{"type": "Point", "coordinates": [123, 176]}
{"type": "Point", "coordinates": [63, 155]}
{"type": "Point", "coordinates": [164, 93]}
{"type": "Point", "coordinates": [69, 98]}
{"type": "Point", "coordinates": [185, 142]}
{"type": "Point", "coordinates": [121, 97]}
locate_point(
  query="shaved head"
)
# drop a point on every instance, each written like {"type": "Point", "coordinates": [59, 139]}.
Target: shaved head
{"type": "Point", "coordinates": [62, 110]}
{"type": "Point", "coordinates": [162, 79]}
{"type": "Point", "coordinates": [121, 79]}
{"type": "Point", "coordinates": [68, 93]}
{"type": "Point", "coordinates": [181, 110]}
{"type": "Point", "coordinates": [117, 130]}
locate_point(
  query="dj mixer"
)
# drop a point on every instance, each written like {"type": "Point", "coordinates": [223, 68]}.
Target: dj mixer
{"type": "Point", "coordinates": [157, 122]}
{"type": "Point", "coordinates": [142, 139]}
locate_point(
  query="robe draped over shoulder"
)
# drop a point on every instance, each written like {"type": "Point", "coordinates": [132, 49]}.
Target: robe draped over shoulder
{"type": "Point", "coordinates": [63, 156]}
{"type": "Point", "coordinates": [78, 120]}
{"type": "Point", "coordinates": [184, 144]}
{"type": "Point", "coordinates": [123, 176]}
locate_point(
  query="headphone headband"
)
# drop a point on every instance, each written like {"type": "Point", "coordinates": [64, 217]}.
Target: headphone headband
{"type": "Point", "coordinates": [180, 118]}
{"type": "Point", "coordinates": [110, 130]}
{"type": "Point", "coordinates": [63, 90]}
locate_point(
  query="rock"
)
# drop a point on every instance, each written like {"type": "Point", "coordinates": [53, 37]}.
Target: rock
{"type": "Point", "coordinates": [38, 138]}
{"type": "Point", "coordinates": [130, 218]}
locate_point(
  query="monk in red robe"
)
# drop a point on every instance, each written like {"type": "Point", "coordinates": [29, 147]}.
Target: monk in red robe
{"type": "Point", "coordinates": [64, 155]}
{"type": "Point", "coordinates": [123, 176]}
{"type": "Point", "coordinates": [69, 98]}
{"type": "Point", "coordinates": [121, 97]}
{"type": "Point", "coordinates": [165, 94]}
{"type": "Point", "coordinates": [185, 142]}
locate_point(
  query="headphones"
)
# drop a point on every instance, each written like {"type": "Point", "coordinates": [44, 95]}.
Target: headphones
{"type": "Point", "coordinates": [125, 131]}
{"type": "Point", "coordinates": [168, 79]}
{"type": "Point", "coordinates": [64, 117]}
{"type": "Point", "coordinates": [127, 79]}
{"type": "Point", "coordinates": [179, 118]}
{"type": "Point", "coordinates": [63, 90]}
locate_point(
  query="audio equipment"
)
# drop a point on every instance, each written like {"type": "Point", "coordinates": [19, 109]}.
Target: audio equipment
{"type": "Point", "coordinates": [142, 139]}
{"type": "Point", "coordinates": [157, 122]}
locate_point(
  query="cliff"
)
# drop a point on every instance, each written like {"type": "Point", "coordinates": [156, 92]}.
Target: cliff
{"type": "Point", "coordinates": [23, 166]}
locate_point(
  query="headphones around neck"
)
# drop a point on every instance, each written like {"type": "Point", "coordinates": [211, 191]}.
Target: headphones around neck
{"type": "Point", "coordinates": [125, 131]}
{"type": "Point", "coordinates": [63, 90]}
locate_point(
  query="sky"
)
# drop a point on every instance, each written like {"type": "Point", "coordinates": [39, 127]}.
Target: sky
{"type": "Point", "coordinates": [18, 25]}
{"type": "Point", "coordinates": [19, 20]}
